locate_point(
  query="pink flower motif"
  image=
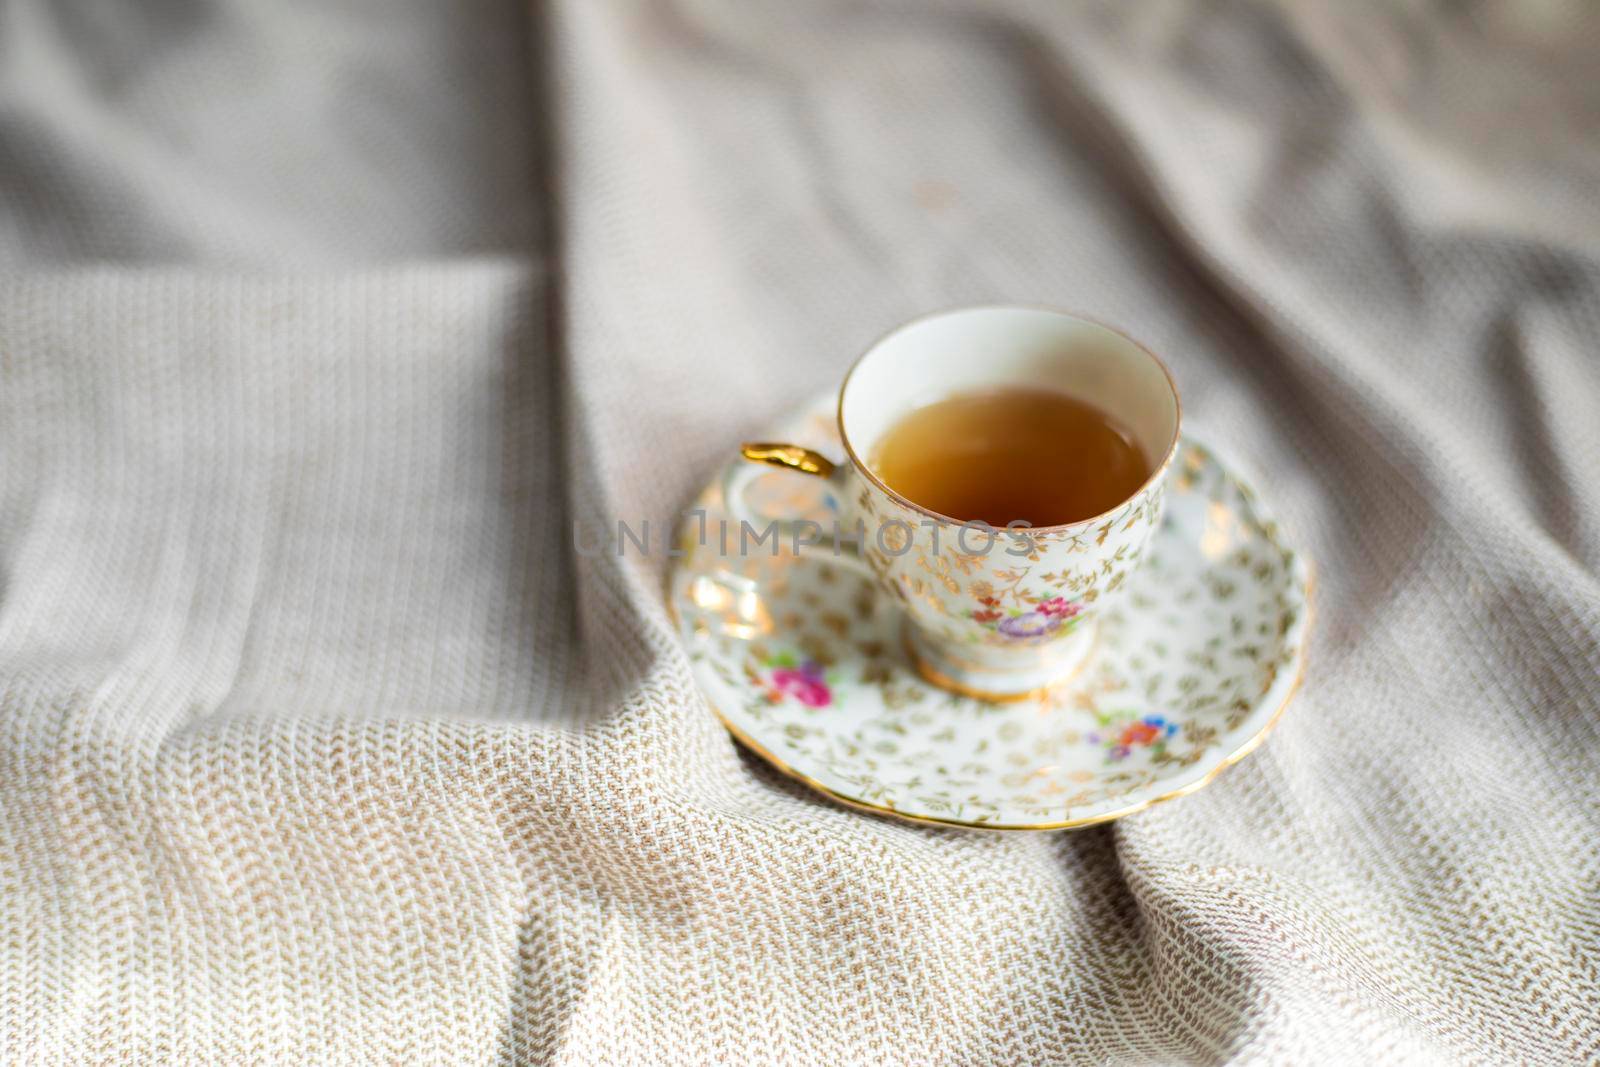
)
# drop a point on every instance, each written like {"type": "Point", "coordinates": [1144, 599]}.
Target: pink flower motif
{"type": "Point", "coordinates": [805, 683]}
{"type": "Point", "coordinates": [1058, 607]}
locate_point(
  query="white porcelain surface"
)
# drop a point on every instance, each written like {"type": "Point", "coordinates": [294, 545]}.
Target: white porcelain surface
{"type": "Point", "coordinates": [958, 351]}
{"type": "Point", "coordinates": [803, 656]}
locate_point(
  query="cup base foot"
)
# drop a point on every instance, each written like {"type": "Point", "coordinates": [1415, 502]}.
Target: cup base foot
{"type": "Point", "coordinates": [1000, 684]}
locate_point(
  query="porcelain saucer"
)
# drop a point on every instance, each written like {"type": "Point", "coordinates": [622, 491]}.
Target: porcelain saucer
{"type": "Point", "coordinates": [803, 657]}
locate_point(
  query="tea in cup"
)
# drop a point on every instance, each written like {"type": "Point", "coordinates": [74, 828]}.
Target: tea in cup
{"type": "Point", "coordinates": [1005, 472]}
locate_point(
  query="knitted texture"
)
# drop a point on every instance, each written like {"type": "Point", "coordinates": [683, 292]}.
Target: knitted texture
{"type": "Point", "coordinates": [321, 328]}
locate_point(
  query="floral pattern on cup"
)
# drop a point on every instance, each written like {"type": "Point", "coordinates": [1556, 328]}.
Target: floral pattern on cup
{"type": "Point", "coordinates": [996, 598]}
{"type": "Point", "coordinates": [1053, 616]}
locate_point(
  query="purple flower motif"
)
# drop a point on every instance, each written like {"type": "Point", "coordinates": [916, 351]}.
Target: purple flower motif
{"type": "Point", "coordinates": [1031, 624]}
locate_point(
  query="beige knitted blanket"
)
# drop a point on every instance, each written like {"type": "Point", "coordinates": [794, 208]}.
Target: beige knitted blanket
{"type": "Point", "coordinates": [320, 326]}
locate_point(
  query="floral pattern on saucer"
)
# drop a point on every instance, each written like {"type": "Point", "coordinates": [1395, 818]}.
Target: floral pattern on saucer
{"type": "Point", "coordinates": [786, 676]}
{"type": "Point", "coordinates": [1121, 735]}
{"type": "Point", "coordinates": [802, 656]}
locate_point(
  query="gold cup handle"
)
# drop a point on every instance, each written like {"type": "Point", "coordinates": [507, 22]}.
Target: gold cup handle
{"type": "Point", "coordinates": [802, 461]}
{"type": "Point", "coordinates": [793, 457]}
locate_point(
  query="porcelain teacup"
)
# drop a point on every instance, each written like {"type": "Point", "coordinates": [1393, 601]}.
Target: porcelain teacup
{"type": "Point", "coordinates": [995, 614]}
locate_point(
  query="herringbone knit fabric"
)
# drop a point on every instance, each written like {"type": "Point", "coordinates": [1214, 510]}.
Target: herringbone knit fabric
{"type": "Point", "coordinates": [320, 327]}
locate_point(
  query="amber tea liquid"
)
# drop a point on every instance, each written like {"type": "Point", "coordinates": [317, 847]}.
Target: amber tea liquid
{"type": "Point", "coordinates": [1013, 453]}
